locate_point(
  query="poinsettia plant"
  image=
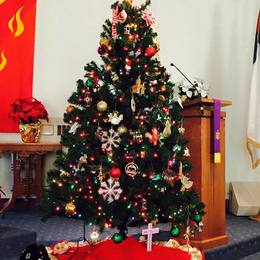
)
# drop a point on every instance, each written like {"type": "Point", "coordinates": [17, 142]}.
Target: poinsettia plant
{"type": "Point", "coordinates": [28, 110]}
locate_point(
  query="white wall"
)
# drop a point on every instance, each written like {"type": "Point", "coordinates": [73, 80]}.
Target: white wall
{"type": "Point", "coordinates": [210, 39]}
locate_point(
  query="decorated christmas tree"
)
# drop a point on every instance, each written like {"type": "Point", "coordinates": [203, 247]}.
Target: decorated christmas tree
{"type": "Point", "coordinates": [125, 160]}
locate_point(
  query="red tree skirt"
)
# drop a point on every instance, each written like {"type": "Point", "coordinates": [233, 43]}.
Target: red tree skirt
{"type": "Point", "coordinates": [129, 249]}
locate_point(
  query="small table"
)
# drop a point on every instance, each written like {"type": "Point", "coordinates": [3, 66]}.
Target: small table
{"type": "Point", "coordinates": [27, 168]}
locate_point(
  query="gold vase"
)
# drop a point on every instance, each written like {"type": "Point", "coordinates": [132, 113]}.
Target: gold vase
{"type": "Point", "coordinates": [30, 132]}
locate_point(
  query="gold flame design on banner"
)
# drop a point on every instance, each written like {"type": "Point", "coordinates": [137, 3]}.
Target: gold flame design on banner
{"type": "Point", "coordinates": [2, 1]}
{"type": "Point", "coordinates": [20, 26]}
{"type": "Point", "coordinates": [3, 61]}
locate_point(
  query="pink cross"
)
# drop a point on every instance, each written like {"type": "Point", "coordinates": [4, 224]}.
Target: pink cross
{"type": "Point", "coordinates": [149, 232]}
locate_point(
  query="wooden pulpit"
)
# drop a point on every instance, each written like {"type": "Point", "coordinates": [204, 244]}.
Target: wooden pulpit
{"type": "Point", "coordinates": [208, 177]}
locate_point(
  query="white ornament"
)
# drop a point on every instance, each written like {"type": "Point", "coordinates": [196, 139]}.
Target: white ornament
{"type": "Point", "coordinates": [127, 29]}
{"type": "Point", "coordinates": [133, 105]}
{"type": "Point", "coordinates": [186, 152]}
{"type": "Point", "coordinates": [110, 139]}
{"type": "Point", "coordinates": [74, 128]}
{"type": "Point", "coordinates": [148, 109]}
{"type": "Point", "coordinates": [167, 129]}
{"type": "Point", "coordinates": [122, 16]}
{"type": "Point", "coordinates": [200, 227]}
{"type": "Point", "coordinates": [112, 89]}
{"type": "Point", "coordinates": [115, 118]}
{"type": "Point", "coordinates": [63, 173]}
{"type": "Point", "coordinates": [94, 236]}
{"type": "Point", "coordinates": [176, 96]}
{"type": "Point", "coordinates": [186, 183]}
{"type": "Point", "coordinates": [127, 68]}
{"type": "Point", "coordinates": [137, 53]}
{"type": "Point", "coordinates": [110, 190]}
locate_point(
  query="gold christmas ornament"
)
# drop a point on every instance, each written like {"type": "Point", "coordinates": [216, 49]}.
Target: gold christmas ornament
{"type": "Point", "coordinates": [70, 208]}
{"type": "Point", "coordinates": [183, 98]}
{"type": "Point", "coordinates": [163, 88]}
{"type": "Point", "coordinates": [131, 169]}
{"type": "Point", "coordinates": [181, 130]}
{"type": "Point", "coordinates": [138, 88]}
{"type": "Point", "coordinates": [129, 1]}
{"type": "Point", "coordinates": [104, 41]}
{"type": "Point", "coordinates": [102, 106]}
{"type": "Point", "coordinates": [101, 175]}
{"type": "Point", "coordinates": [108, 67]}
{"type": "Point", "coordinates": [167, 129]}
{"type": "Point", "coordinates": [161, 97]}
{"type": "Point", "coordinates": [115, 77]}
{"type": "Point", "coordinates": [70, 108]}
{"type": "Point", "coordinates": [122, 129]}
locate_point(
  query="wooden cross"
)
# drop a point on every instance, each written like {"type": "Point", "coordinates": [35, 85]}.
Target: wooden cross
{"type": "Point", "coordinates": [149, 232]}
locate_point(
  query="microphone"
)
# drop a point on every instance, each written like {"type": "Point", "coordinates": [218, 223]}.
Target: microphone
{"type": "Point", "coordinates": [173, 65]}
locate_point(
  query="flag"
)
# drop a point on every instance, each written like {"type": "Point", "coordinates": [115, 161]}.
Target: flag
{"type": "Point", "coordinates": [253, 130]}
{"type": "Point", "coordinates": [17, 31]}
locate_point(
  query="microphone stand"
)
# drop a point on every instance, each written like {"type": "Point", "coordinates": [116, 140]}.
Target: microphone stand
{"type": "Point", "coordinates": [173, 65]}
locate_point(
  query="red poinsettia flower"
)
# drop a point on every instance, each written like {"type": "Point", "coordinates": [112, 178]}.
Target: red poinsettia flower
{"type": "Point", "coordinates": [28, 110]}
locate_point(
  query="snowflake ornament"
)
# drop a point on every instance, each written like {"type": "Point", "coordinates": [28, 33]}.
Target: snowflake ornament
{"type": "Point", "coordinates": [110, 139]}
{"type": "Point", "coordinates": [110, 190]}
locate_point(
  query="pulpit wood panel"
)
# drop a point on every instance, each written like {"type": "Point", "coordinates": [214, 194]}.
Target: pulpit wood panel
{"type": "Point", "coordinates": [208, 177]}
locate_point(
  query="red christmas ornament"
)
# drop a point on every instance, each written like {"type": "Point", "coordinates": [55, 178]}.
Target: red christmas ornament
{"type": "Point", "coordinates": [128, 62]}
{"type": "Point", "coordinates": [115, 173]}
{"type": "Point", "coordinates": [150, 51]}
{"type": "Point", "coordinates": [153, 136]}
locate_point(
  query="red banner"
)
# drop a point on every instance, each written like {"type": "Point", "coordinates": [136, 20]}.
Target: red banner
{"type": "Point", "coordinates": [17, 31]}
